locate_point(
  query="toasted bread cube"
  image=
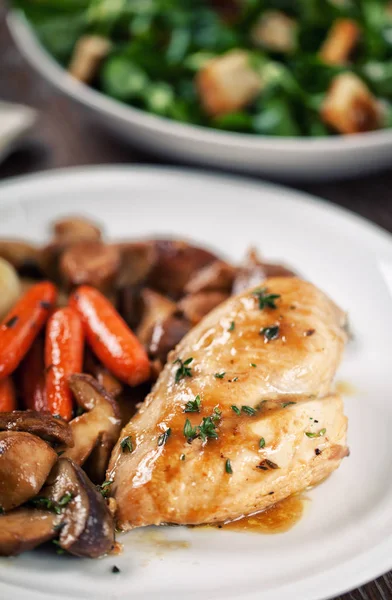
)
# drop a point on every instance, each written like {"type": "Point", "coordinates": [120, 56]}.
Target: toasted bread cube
{"type": "Point", "coordinates": [349, 106]}
{"type": "Point", "coordinates": [88, 54]}
{"type": "Point", "coordinates": [340, 42]}
{"type": "Point", "coordinates": [275, 31]}
{"type": "Point", "coordinates": [227, 83]}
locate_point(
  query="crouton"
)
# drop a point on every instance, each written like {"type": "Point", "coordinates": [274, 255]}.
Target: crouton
{"type": "Point", "coordinates": [349, 106]}
{"type": "Point", "coordinates": [88, 54]}
{"type": "Point", "coordinates": [227, 83]}
{"type": "Point", "coordinates": [275, 31]}
{"type": "Point", "coordinates": [340, 42]}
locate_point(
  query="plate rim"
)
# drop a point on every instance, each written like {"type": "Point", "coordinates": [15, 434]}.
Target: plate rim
{"type": "Point", "coordinates": [356, 571]}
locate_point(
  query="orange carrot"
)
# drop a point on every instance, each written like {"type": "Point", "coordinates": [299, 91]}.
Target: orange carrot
{"type": "Point", "coordinates": [23, 323]}
{"type": "Point", "coordinates": [32, 376]}
{"type": "Point", "coordinates": [7, 395]}
{"type": "Point", "coordinates": [63, 357]}
{"type": "Point", "coordinates": [110, 337]}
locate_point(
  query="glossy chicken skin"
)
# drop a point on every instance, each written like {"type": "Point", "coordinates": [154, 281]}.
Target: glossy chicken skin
{"type": "Point", "coordinates": [296, 436]}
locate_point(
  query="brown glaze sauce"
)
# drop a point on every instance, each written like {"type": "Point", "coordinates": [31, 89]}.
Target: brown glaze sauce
{"type": "Point", "coordinates": [277, 519]}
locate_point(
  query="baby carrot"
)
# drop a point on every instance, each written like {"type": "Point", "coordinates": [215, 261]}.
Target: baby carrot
{"type": "Point", "coordinates": [23, 323]}
{"type": "Point", "coordinates": [110, 337]}
{"type": "Point", "coordinates": [7, 395]}
{"type": "Point", "coordinates": [32, 376]}
{"type": "Point", "coordinates": [63, 357]}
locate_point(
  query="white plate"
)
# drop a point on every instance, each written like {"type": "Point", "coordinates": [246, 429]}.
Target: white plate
{"type": "Point", "coordinates": [301, 158]}
{"type": "Point", "coordinates": [15, 121]}
{"type": "Point", "coordinates": [345, 537]}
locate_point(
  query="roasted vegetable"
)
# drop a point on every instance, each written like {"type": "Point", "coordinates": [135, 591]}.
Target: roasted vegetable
{"type": "Point", "coordinates": [25, 463]}
{"type": "Point", "coordinates": [102, 417]}
{"type": "Point", "coordinates": [26, 528]}
{"type": "Point", "coordinates": [41, 424]}
{"type": "Point", "coordinates": [9, 285]}
{"type": "Point", "coordinates": [7, 395]}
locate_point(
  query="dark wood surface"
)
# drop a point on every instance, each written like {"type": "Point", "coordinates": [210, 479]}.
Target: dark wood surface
{"type": "Point", "coordinates": [64, 137]}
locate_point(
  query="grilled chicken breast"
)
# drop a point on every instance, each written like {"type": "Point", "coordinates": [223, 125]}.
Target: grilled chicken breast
{"type": "Point", "coordinates": [241, 416]}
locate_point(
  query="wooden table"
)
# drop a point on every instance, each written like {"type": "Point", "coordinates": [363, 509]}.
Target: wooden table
{"type": "Point", "coordinates": [64, 137]}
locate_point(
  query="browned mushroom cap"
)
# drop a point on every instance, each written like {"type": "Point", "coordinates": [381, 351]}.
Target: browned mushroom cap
{"type": "Point", "coordinates": [97, 463]}
{"type": "Point", "coordinates": [166, 335]}
{"type": "Point", "coordinates": [137, 259]}
{"type": "Point", "coordinates": [102, 417]}
{"type": "Point", "coordinates": [157, 308]}
{"type": "Point", "coordinates": [253, 272]}
{"type": "Point", "coordinates": [76, 229]}
{"type": "Point", "coordinates": [25, 463]}
{"type": "Point", "coordinates": [25, 257]}
{"type": "Point", "coordinates": [176, 262]}
{"type": "Point", "coordinates": [26, 528]}
{"type": "Point", "coordinates": [91, 263]}
{"type": "Point", "coordinates": [218, 276]}
{"type": "Point", "coordinates": [88, 528]}
{"type": "Point", "coordinates": [196, 306]}
{"type": "Point", "coordinates": [42, 424]}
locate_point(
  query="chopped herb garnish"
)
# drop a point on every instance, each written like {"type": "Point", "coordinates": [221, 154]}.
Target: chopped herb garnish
{"type": "Point", "coordinates": [317, 451]}
{"type": "Point", "coordinates": [284, 404]}
{"type": "Point", "coordinates": [266, 465]}
{"type": "Point", "coordinates": [232, 326]}
{"type": "Point", "coordinates": [126, 444]}
{"type": "Point", "coordinates": [59, 549]}
{"type": "Point", "coordinates": [184, 370]}
{"type": "Point", "coordinates": [60, 452]}
{"type": "Point", "coordinates": [11, 322]}
{"type": "Point", "coordinates": [310, 332]}
{"type": "Point", "coordinates": [182, 457]}
{"type": "Point", "coordinates": [189, 432]}
{"type": "Point", "coordinates": [57, 416]}
{"type": "Point", "coordinates": [193, 405]}
{"type": "Point", "coordinates": [79, 411]}
{"type": "Point", "coordinates": [228, 468]}
{"type": "Point", "coordinates": [164, 437]}
{"type": "Point", "coordinates": [235, 379]}
{"type": "Point", "coordinates": [2, 511]}
{"type": "Point", "coordinates": [253, 365]}
{"type": "Point", "coordinates": [265, 299]}
{"type": "Point", "coordinates": [270, 333]}
{"type": "Point", "coordinates": [115, 569]}
{"type": "Point", "coordinates": [248, 410]}
{"type": "Point", "coordinates": [64, 500]}
{"type": "Point", "coordinates": [312, 434]}
{"type": "Point", "coordinates": [220, 375]}
{"type": "Point", "coordinates": [207, 429]}
{"type": "Point", "coordinates": [104, 488]}
{"type": "Point", "coordinates": [261, 443]}
{"type": "Point", "coordinates": [236, 409]}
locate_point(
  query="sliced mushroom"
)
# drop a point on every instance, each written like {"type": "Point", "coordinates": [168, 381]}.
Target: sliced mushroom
{"type": "Point", "coordinates": [41, 424]}
{"type": "Point", "coordinates": [90, 262]}
{"type": "Point", "coordinates": [102, 417]}
{"type": "Point", "coordinates": [24, 257]}
{"type": "Point", "coordinates": [25, 463]}
{"type": "Point", "coordinates": [88, 528]}
{"type": "Point", "coordinates": [157, 308]}
{"type": "Point", "coordinates": [137, 259]}
{"type": "Point", "coordinates": [26, 528]}
{"type": "Point", "coordinates": [218, 276]}
{"type": "Point", "coordinates": [166, 335]}
{"type": "Point", "coordinates": [253, 272]}
{"type": "Point", "coordinates": [176, 262]}
{"type": "Point", "coordinates": [112, 385]}
{"type": "Point", "coordinates": [97, 463]}
{"type": "Point", "coordinates": [10, 287]}
{"type": "Point", "coordinates": [196, 306]}
{"type": "Point", "coordinates": [76, 229]}
{"type": "Point", "coordinates": [131, 305]}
